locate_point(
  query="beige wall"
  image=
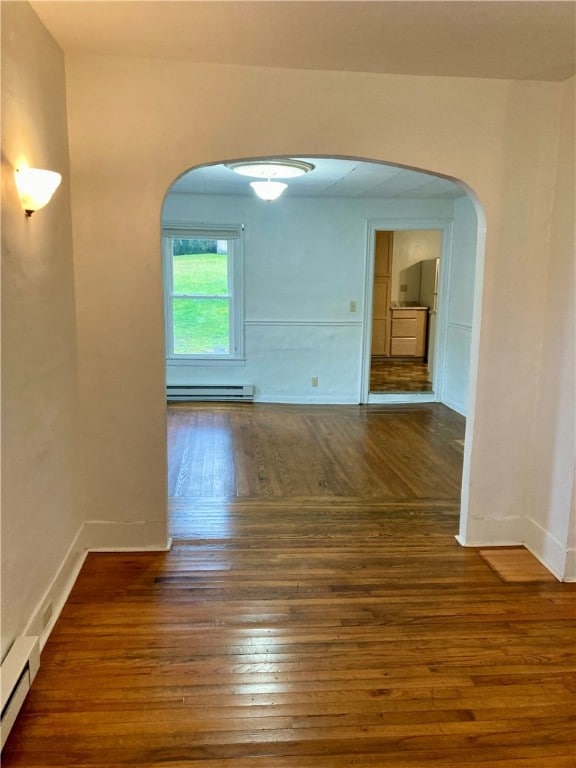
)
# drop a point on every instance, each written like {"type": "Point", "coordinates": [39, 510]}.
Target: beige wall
{"type": "Point", "coordinates": [40, 500]}
{"type": "Point", "coordinates": [136, 124]}
{"type": "Point", "coordinates": [554, 433]}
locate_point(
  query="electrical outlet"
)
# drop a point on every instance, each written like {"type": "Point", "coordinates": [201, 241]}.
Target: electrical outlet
{"type": "Point", "coordinates": [314, 381]}
{"type": "Point", "coordinates": [403, 288]}
{"type": "Point", "coordinates": [352, 306]}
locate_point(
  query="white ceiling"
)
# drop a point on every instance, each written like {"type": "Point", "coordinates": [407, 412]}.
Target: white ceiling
{"type": "Point", "coordinates": [330, 178]}
{"type": "Point", "coordinates": [516, 39]}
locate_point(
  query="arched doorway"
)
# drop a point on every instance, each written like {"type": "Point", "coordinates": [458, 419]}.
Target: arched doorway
{"type": "Point", "coordinates": [309, 276]}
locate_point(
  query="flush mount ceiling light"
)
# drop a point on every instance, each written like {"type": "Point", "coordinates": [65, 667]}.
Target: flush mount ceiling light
{"type": "Point", "coordinates": [271, 169]}
{"type": "Point", "coordinates": [35, 187]}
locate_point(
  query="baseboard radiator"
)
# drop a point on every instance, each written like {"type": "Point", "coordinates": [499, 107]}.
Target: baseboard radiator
{"type": "Point", "coordinates": [186, 394]}
{"type": "Point", "coordinates": [17, 672]}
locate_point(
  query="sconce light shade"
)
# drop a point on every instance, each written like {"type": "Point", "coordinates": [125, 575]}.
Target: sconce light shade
{"type": "Point", "coordinates": [268, 190]}
{"type": "Point", "coordinates": [36, 187]}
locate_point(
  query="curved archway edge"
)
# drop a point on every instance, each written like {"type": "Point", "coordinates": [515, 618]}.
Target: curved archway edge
{"type": "Point", "coordinates": [499, 137]}
{"type": "Point", "coordinates": [414, 223]}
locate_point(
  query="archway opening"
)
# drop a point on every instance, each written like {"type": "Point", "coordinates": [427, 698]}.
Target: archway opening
{"type": "Point", "coordinates": [298, 280]}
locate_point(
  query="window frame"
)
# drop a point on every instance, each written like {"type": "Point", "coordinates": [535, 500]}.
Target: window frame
{"type": "Point", "coordinates": [234, 235]}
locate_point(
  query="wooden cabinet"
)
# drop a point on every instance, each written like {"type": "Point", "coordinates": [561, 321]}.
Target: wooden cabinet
{"type": "Point", "coordinates": [383, 253]}
{"type": "Point", "coordinates": [408, 331]}
{"type": "Point", "coordinates": [381, 297]}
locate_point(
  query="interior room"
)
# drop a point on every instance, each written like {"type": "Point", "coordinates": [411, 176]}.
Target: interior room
{"type": "Point", "coordinates": [350, 573]}
{"type": "Point", "coordinates": [311, 272]}
{"type": "Point", "coordinates": [405, 308]}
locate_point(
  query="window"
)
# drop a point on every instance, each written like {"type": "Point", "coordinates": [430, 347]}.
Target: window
{"type": "Point", "coordinates": [203, 278]}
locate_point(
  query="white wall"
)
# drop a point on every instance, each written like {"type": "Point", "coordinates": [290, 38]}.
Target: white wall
{"type": "Point", "coordinates": [460, 305]}
{"type": "Point", "coordinates": [41, 508]}
{"type": "Point", "coordinates": [134, 127]}
{"type": "Point", "coordinates": [570, 567]}
{"type": "Point", "coordinates": [409, 248]}
{"type": "Point", "coordinates": [305, 261]}
{"type": "Point", "coordinates": [554, 437]}
{"type": "Point", "coordinates": [131, 134]}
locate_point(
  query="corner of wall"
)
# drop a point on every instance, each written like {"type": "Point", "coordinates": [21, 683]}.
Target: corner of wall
{"type": "Point", "coordinates": [92, 537]}
{"type": "Point", "coordinates": [553, 456]}
{"type": "Point", "coordinates": [48, 609]}
{"type": "Point", "coordinates": [42, 512]}
{"type": "Point", "coordinates": [546, 547]}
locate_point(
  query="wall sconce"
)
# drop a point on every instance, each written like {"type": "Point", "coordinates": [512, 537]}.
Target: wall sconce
{"type": "Point", "coordinates": [36, 187]}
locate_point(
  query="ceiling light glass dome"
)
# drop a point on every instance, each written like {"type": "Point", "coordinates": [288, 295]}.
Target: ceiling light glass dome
{"type": "Point", "coordinates": [271, 169]}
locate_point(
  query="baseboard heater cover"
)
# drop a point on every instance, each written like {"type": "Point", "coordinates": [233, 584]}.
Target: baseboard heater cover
{"type": "Point", "coordinates": [189, 393]}
{"type": "Point", "coordinates": [17, 672]}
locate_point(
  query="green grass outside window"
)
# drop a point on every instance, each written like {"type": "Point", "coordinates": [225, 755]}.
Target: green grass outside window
{"type": "Point", "coordinates": [201, 326]}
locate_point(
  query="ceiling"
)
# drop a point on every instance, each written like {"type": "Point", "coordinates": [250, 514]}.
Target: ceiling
{"type": "Point", "coordinates": [510, 39]}
{"type": "Point", "coordinates": [331, 177]}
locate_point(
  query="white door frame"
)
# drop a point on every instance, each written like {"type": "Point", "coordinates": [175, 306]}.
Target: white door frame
{"type": "Point", "coordinates": [445, 225]}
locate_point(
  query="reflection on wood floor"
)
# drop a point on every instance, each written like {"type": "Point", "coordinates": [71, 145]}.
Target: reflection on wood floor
{"type": "Point", "coordinates": [315, 611]}
{"type": "Point", "coordinates": [387, 375]}
{"type": "Point", "coordinates": [251, 451]}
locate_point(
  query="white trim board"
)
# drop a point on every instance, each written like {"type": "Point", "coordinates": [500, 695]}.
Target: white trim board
{"type": "Point", "coordinates": [570, 569]}
{"type": "Point", "coordinates": [399, 398]}
{"type": "Point", "coordinates": [281, 321]}
{"type": "Point", "coordinates": [492, 532]}
{"type": "Point", "coordinates": [454, 405]}
{"type": "Point", "coordinates": [58, 590]}
{"type": "Point", "coordinates": [91, 537]}
{"type": "Point", "coordinates": [546, 548]}
{"type": "Point", "coordinates": [113, 536]}
{"type": "Point", "coordinates": [458, 324]}
{"type": "Point", "coordinates": [307, 399]}
{"type": "Point", "coordinates": [393, 224]}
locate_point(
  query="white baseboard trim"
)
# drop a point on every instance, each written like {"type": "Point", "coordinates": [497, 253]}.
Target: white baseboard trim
{"type": "Point", "coordinates": [58, 591]}
{"type": "Point", "coordinates": [454, 405]}
{"type": "Point", "coordinates": [309, 323]}
{"type": "Point", "coordinates": [92, 537]}
{"type": "Point", "coordinates": [307, 399]}
{"type": "Point", "coordinates": [517, 532]}
{"type": "Point", "coordinates": [546, 548]}
{"type": "Point", "coordinates": [138, 536]}
{"type": "Point", "coordinates": [570, 570]}
{"type": "Point", "coordinates": [401, 398]}
{"type": "Point", "coordinates": [493, 532]}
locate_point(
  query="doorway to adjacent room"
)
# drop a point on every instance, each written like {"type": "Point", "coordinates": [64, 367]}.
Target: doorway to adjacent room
{"type": "Point", "coordinates": [404, 308]}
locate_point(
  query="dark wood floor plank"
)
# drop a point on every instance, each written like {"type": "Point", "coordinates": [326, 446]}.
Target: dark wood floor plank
{"type": "Point", "coordinates": [315, 611]}
{"type": "Point", "coordinates": [323, 451]}
{"type": "Point", "coordinates": [391, 375]}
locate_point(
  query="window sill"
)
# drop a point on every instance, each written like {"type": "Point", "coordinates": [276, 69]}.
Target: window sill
{"type": "Point", "coordinates": [205, 362]}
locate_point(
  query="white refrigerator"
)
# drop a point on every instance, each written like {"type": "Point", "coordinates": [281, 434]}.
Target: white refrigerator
{"type": "Point", "coordinates": [429, 274]}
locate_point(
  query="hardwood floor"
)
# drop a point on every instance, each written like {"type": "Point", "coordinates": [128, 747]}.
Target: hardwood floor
{"type": "Point", "coordinates": [314, 612]}
{"type": "Point", "coordinates": [400, 452]}
{"type": "Point", "coordinates": [389, 375]}
{"type": "Point", "coordinates": [515, 564]}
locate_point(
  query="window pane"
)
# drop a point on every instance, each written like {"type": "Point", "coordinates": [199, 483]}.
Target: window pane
{"type": "Point", "coordinates": [201, 326]}
{"type": "Point", "coordinates": [200, 266]}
